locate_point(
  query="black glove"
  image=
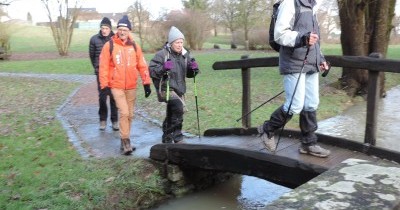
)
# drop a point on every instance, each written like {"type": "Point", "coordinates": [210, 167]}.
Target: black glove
{"type": "Point", "coordinates": [147, 90]}
{"type": "Point", "coordinates": [305, 39]}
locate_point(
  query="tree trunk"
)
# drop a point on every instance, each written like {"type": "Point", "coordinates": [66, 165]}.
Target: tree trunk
{"type": "Point", "coordinates": [366, 26]}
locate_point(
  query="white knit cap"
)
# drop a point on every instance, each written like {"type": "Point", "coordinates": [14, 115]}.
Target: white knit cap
{"type": "Point", "coordinates": [174, 34]}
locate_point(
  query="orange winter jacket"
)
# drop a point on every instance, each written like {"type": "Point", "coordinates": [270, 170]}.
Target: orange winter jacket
{"type": "Point", "coordinates": [122, 67]}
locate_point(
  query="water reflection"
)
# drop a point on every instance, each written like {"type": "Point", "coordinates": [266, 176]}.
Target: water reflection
{"type": "Point", "coordinates": [240, 192]}
{"type": "Point", "coordinates": [351, 124]}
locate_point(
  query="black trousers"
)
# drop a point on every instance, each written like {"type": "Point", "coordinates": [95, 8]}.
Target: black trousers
{"type": "Point", "coordinates": [103, 109]}
{"type": "Point", "coordinates": [308, 124]}
{"type": "Point", "coordinates": [172, 125]}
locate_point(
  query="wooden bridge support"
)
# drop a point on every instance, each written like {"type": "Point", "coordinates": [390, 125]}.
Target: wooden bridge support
{"type": "Point", "coordinates": [246, 95]}
{"type": "Point", "coordinates": [278, 169]}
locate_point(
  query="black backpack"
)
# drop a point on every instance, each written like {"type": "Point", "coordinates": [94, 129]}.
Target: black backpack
{"type": "Point", "coordinates": [274, 16]}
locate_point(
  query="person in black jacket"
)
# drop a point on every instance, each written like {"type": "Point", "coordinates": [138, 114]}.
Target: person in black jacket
{"type": "Point", "coordinates": [168, 69]}
{"type": "Point", "coordinates": [96, 44]}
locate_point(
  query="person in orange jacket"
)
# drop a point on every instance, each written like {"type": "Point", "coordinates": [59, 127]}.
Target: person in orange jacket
{"type": "Point", "coordinates": [121, 63]}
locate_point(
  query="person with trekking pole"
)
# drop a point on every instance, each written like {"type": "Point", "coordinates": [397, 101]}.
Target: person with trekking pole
{"type": "Point", "coordinates": [168, 70]}
{"type": "Point", "coordinates": [300, 60]}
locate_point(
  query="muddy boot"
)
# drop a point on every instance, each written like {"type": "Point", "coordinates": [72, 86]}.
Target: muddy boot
{"type": "Point", "coordinates": [277, 120]}
{"type": "Point", "coordinates": [178, 137]}
{"type": "Point", "coordinates": [103, 125]}
{"type": "Point", "coordinates": [115, 126]}
{"type": "Point", "coordinates": [122, 146]}
{"type": "Point", "coordinates": [127, 149]}
{"type": "Point", "coordinates": [167, 138]}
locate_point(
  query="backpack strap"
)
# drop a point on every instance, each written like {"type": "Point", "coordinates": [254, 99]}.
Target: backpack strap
{"type": "Point", "coordinates": [297, 6]}
{"type": "Point", "coordinates": [112, 46]}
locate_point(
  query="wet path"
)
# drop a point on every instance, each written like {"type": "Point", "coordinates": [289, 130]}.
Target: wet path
{"type": "Point", "coordinates": [79, 117]}
{"type": "Point", "coordinates": [351, 123]}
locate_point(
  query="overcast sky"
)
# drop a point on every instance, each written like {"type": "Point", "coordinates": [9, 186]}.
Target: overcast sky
{"type": "Point", "coordinates": [20, 8]}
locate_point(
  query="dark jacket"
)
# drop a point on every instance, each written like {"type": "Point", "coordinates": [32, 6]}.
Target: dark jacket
{"type": "Point", "coordinates": [95, 45]}
{"type": "Point", "coordinates": [177, 75]}
{"type": "Point", "coordinates": [289, 30]}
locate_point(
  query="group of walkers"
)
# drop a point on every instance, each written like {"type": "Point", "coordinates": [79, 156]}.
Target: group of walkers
{"type": "Point", "coordinates": [118, 62]}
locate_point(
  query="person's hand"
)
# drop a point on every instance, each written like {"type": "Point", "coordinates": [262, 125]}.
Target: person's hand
{"type": "Point", "coordinates": [193, 65]}
{"type": "Point", "coordinates": [324, 68]}
{"type": "Point", "coordinates": [309, 39]}
{"type": "Point", "coordinates": [168, 65]}
{"type": "Point", "coordinates": [147, 90]}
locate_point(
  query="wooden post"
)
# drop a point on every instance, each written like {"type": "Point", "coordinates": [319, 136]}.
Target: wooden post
{"type": "Point", "coordinates": [372, 104]}
{"type": "Point", "coordinates": [246, 96]}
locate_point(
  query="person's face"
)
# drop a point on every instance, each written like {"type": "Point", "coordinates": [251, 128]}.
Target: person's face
{"type": "Point", "coordinates": [177, 45]}
{"type": "Point", "coordinates": [105, 30]}
{"type": "Point", "coordinates": [123, 33]}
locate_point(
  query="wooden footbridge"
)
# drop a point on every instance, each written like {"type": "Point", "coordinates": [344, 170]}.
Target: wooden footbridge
{"type": "Point", "coordinates": [240, 150]}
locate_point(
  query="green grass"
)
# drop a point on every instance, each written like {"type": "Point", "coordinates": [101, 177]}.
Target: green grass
{"type": "Point", "coordinates": [39, 39]}
{"type": "Point", "coordinates": [39, 169]}
{"type": "Point", "coordinates": [55, 66]}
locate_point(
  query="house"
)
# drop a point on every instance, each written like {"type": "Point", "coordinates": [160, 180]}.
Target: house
{"type": "Point", "coordinates": [89, 18]}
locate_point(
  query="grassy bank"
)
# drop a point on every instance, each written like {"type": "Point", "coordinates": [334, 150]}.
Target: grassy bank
{"type": "Point", "coordinates": [39, 169]}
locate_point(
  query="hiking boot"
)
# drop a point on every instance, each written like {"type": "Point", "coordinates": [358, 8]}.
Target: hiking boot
{"type": "Point", "coordinates": [314, 150]}
{"type": "Point", "coordinates": [115, 126]}
{"type": "Point", "coordinates": [267, 140]}
{"type": "Point", "coordinates": [103, 125]}
{"type": "Point", "coordinates": [127, 148]}
{"type": "Point", "coordinates": [178, 138]}
{"type": "Point", "coordinates": [167, 138]}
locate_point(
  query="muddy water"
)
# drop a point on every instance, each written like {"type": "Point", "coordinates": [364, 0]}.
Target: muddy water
{"type": "Point", "coordinates": [240, 192]}
{"type": "Point", "coordinates": [244, 192]}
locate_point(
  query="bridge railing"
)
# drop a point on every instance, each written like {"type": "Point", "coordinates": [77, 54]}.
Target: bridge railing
{"type": "Point", "coordinates": [374, 63]}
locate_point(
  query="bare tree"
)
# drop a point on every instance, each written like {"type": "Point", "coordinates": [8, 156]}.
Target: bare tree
{"type": "Point", "coordinates": [5, 32]}
{"type": "Point", "coordinates": [63, 27]}
{"type": "Point", "coordinates": [365, 28]}
{"type": "Point", "coordinates": [228, 13]}
{"type": "Point", "coordinates": [202, 5]}
{"type": "Point", "coordinates": [215, 15]}
{"type": "Point", "coordinates": [196, 26]}
{"type": "Point", "coordinates": [250, 13]}
{"type": "Point", "coordinates": [328, 18]}
{"type": "Point", "coordinates": [141, 18]}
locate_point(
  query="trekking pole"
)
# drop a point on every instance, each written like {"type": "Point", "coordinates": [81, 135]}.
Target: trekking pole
{"type": "Point", "coordinates": [166, 107]}
{"type": "Point", "coordinates": [260, 106]}
{"type": "Point", "coordinates": [291, 100]}
{"type": "Point", "coordinates": [197, 105]}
